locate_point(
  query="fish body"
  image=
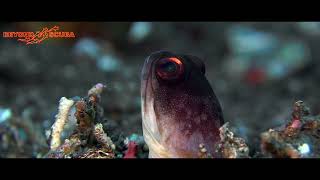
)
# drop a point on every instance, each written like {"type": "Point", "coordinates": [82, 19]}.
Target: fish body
{"type": "Point", "coordinates": [179, 108]}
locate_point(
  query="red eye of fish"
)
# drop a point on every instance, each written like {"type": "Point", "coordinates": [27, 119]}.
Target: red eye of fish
{"type": "Point", "coordinates": [169, 68]}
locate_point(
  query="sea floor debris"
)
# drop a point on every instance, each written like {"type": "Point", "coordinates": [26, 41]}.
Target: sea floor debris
{"type": "Point", "coordinates": [82, 131]}
{"type": "Point", "coordinates": [299, 138]}
{"type": "Point", "coordinates": [89, 138]}
{"type": "Point", "coordinates": [21, 138]}
{"type": "Point", "coordinates": [231, 146]}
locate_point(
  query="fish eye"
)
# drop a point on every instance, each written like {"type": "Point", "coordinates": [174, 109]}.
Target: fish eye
{"type": "Point", "coordinates": [169, 68]}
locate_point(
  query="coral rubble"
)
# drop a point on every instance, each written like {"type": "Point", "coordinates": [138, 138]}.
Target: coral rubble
{"type": "Point", "coordinates": [231, 146]}
{"type": "Point", "coordinates": [299, 138]}
{"type": "Point", "coordinates": [88, 139]}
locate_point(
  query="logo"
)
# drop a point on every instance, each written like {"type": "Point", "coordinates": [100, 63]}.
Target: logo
{"type": "Point", "coordinates": [39, 36]}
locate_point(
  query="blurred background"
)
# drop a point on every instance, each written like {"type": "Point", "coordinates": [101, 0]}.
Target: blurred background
{"type": "Point", "coordinates": [257, 70]}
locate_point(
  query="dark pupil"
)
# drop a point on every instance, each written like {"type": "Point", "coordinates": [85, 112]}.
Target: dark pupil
{"type": "Point", "coordinates": [169, 67]}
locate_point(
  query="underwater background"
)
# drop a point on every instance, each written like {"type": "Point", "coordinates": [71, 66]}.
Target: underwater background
{"type": "Point", "coordinates": [257, 70]}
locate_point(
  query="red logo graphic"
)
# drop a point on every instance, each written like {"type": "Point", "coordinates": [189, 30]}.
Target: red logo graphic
{"type": "Point", "coordinates": [36, 38]}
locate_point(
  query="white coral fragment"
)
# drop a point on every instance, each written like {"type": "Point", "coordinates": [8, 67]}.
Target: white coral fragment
{"type": "Point", "coordinates": [61, 120]}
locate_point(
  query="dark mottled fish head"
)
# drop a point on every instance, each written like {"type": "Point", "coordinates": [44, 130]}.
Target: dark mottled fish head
{"type": "Point", "coordinates": [179, 108]}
